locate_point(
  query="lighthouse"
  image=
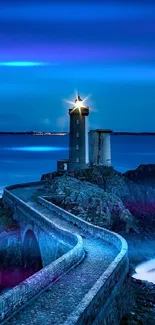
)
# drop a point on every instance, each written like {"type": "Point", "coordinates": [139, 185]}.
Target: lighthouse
{"type": "Point", "coordinates": [78, 135]}
{"type": "Point", "coordinates": [83, 152]}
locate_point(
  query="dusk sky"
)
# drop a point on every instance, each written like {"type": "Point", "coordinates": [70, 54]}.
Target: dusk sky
{"type": "Point", "coordinates": [51, 49]}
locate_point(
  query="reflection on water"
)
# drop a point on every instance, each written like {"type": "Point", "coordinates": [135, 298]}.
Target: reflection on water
{"type": "Point", "coordinates": [146, 271]}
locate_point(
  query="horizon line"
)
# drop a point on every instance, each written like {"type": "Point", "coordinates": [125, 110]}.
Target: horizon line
{"type": "Point", "coordinates": [66, 132]}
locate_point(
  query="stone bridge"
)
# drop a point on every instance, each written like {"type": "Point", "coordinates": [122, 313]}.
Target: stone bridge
{"type": "Point", "coordinates": [37, 235]}
{"type": "Point", "coordinates": [84, 279]}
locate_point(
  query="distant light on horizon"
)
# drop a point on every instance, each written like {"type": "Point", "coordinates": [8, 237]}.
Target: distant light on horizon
{"type": "Point", "coordinates": [36, 149]}
{"type": "Point", "coordinates": [22, 64]}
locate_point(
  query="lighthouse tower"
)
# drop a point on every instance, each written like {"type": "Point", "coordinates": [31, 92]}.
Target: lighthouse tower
{"type": "Point", "coordinates": [78, 136]}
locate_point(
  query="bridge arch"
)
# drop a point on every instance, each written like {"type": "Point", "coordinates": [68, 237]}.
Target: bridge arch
{"type": "Point", "coordinates": [31, 253]}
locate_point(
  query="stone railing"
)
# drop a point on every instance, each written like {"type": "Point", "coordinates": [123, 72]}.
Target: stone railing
{"type": "Point", "coordinates": [112, 238]}
{"type": "Point", "coordinates": [21, 185]}
{"type": "Point", "coordinates": [14, 299]}
{"type": "Point", "coordinates": [107, 297]}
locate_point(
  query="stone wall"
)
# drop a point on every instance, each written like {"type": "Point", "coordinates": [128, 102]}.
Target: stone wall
{"type": "Point", "coordinates": [107, 300]}
{"type": "Point", "coordinates": [14, 299]}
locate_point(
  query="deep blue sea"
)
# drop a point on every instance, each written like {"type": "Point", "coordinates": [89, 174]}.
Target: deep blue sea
{"type": "Point", "coordinates": [25, 158]}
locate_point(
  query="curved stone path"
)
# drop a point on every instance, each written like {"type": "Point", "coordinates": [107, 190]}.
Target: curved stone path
{"type": "Point", "coordinates": [55, 304]}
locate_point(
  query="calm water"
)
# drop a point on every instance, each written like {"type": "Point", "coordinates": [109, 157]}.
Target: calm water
{"type": "Point", "coordinates": [26, 158]}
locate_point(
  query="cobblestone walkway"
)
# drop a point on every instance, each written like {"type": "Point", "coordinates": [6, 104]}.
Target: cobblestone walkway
{"type": "Point", "coordinates": [55, 304]}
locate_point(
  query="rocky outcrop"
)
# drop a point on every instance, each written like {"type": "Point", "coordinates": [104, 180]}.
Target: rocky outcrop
{"type": "Point", "coordinates": [143, 311]}
{"type": "Point", "coordinates": [144, 174]}
{"type": "Point", "coordinates": [134, 189]}
{"type": "Point", "coordinates": [90, 202]}
{"type": "Point", "coordinates": [137, 198]}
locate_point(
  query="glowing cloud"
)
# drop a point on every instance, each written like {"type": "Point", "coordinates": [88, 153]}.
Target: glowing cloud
{"type": "Point", "coordinates": [36, 148]}
{"type": "Point", "coordinates": [22, 64]}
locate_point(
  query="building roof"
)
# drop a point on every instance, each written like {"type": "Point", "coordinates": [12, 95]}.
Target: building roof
{"type": "Point", "coordinates": [102, 130]}
{"type": "Point", "coordinates": [63, 160]}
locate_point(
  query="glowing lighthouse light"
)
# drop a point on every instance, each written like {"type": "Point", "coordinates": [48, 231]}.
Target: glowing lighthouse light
{"type": "Point", "coordinates": [78, 103]}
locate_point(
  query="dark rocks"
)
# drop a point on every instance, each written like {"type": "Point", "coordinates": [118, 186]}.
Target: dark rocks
{"type": "Point", "coordinates": [90, 202]}
{"type": "Point", "coordinates": [144, 174]}
{"type": "Point", "coordinates": [138, 197]}
{"type": "Point", "coordinates": [7, 222]}
{"type": "Point", "coordinates": [143, 311]}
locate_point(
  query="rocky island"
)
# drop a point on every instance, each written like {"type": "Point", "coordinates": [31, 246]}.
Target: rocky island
{"type": "Point", "coordinates": [124, 203]}
{"type": "Point", "coordinates": [105, 197]}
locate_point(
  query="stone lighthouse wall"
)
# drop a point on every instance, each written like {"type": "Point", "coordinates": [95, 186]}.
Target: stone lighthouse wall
{"type": "Point", "coordinates": [77, 142]}
{"type": "Point", "coordinates": [86, 141]}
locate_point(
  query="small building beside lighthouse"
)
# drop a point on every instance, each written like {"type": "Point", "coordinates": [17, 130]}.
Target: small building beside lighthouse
{"type": "Point", "coordinates": [100, 147]}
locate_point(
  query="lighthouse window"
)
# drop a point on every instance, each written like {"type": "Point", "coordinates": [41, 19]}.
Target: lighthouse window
{"type": "Point", "coordinates": [77, 159]}
{"type": "Point", "coordinates": [77, 134]}
{"type": "Point", "coordinates": [77, 121]}
{"type": "Point", "coordinates": [77, 147]}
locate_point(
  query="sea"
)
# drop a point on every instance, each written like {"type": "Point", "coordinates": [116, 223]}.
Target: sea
{"type": "Point", "coordinates": [24, 158]}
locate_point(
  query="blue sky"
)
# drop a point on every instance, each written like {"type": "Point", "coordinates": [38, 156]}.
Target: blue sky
{"type": "Point", "coordinates": [49, 50]}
